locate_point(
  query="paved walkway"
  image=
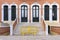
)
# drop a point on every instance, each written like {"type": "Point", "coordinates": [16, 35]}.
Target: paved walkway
{"type": "Point", "coordinates": [30, 37]}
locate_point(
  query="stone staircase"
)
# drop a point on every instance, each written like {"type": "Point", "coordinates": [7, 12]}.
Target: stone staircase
{"type": "Point", "coordinates": [4, 29]}
{"type": "Point", "coordinates": [19, 25]}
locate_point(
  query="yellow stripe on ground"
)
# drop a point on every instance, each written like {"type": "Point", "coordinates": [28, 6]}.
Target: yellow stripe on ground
{"type": "Point", "coordinates": [29, 30]}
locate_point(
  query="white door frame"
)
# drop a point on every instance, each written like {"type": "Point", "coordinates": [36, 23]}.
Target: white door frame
{"type": "Point", "coordinates": [16, 11]}
{"type": "Point", "coordinates": [39, 11]}
{"type": "Point", "coordinates": [3, 11]}
{"type": "Point", "coordinates": [20, 11]}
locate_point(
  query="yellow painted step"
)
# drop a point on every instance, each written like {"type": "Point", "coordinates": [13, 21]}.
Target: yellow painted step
{"type": "Point", "coordinates": [29, 30]}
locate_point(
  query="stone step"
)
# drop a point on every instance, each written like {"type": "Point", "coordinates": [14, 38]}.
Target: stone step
{"type": "Point", "coordinates": [29, 24]}
{"type": "Point", "coordinates": [18, 27]}
{"type": "Point", "coordinates": [39, 33]}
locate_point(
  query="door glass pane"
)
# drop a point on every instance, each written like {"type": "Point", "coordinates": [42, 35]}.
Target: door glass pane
{"type": "Point", "coordinates": [33, 7]}
{"type": "Point", "coordinates": [22, 13]}
{"type": "Point", "coordinates": [37, 13]}
{"type": "Point", "coordinates": [33, 13]}
{"type": "Point", "coordinates": [25, 7]}
{"type": "Point", "coordinates": [37, 7]}
{"type": "Point", "coordinates": [26, 13]}
{"type": "Point", "coordinates": [22, 7]}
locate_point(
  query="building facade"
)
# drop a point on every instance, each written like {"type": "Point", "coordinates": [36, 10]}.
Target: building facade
{"type": "Point", "coordinates": [34, 15]}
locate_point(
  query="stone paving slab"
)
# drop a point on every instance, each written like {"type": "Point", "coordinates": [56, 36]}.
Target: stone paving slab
{"type": "Point", "coordinates": [30, 37]}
